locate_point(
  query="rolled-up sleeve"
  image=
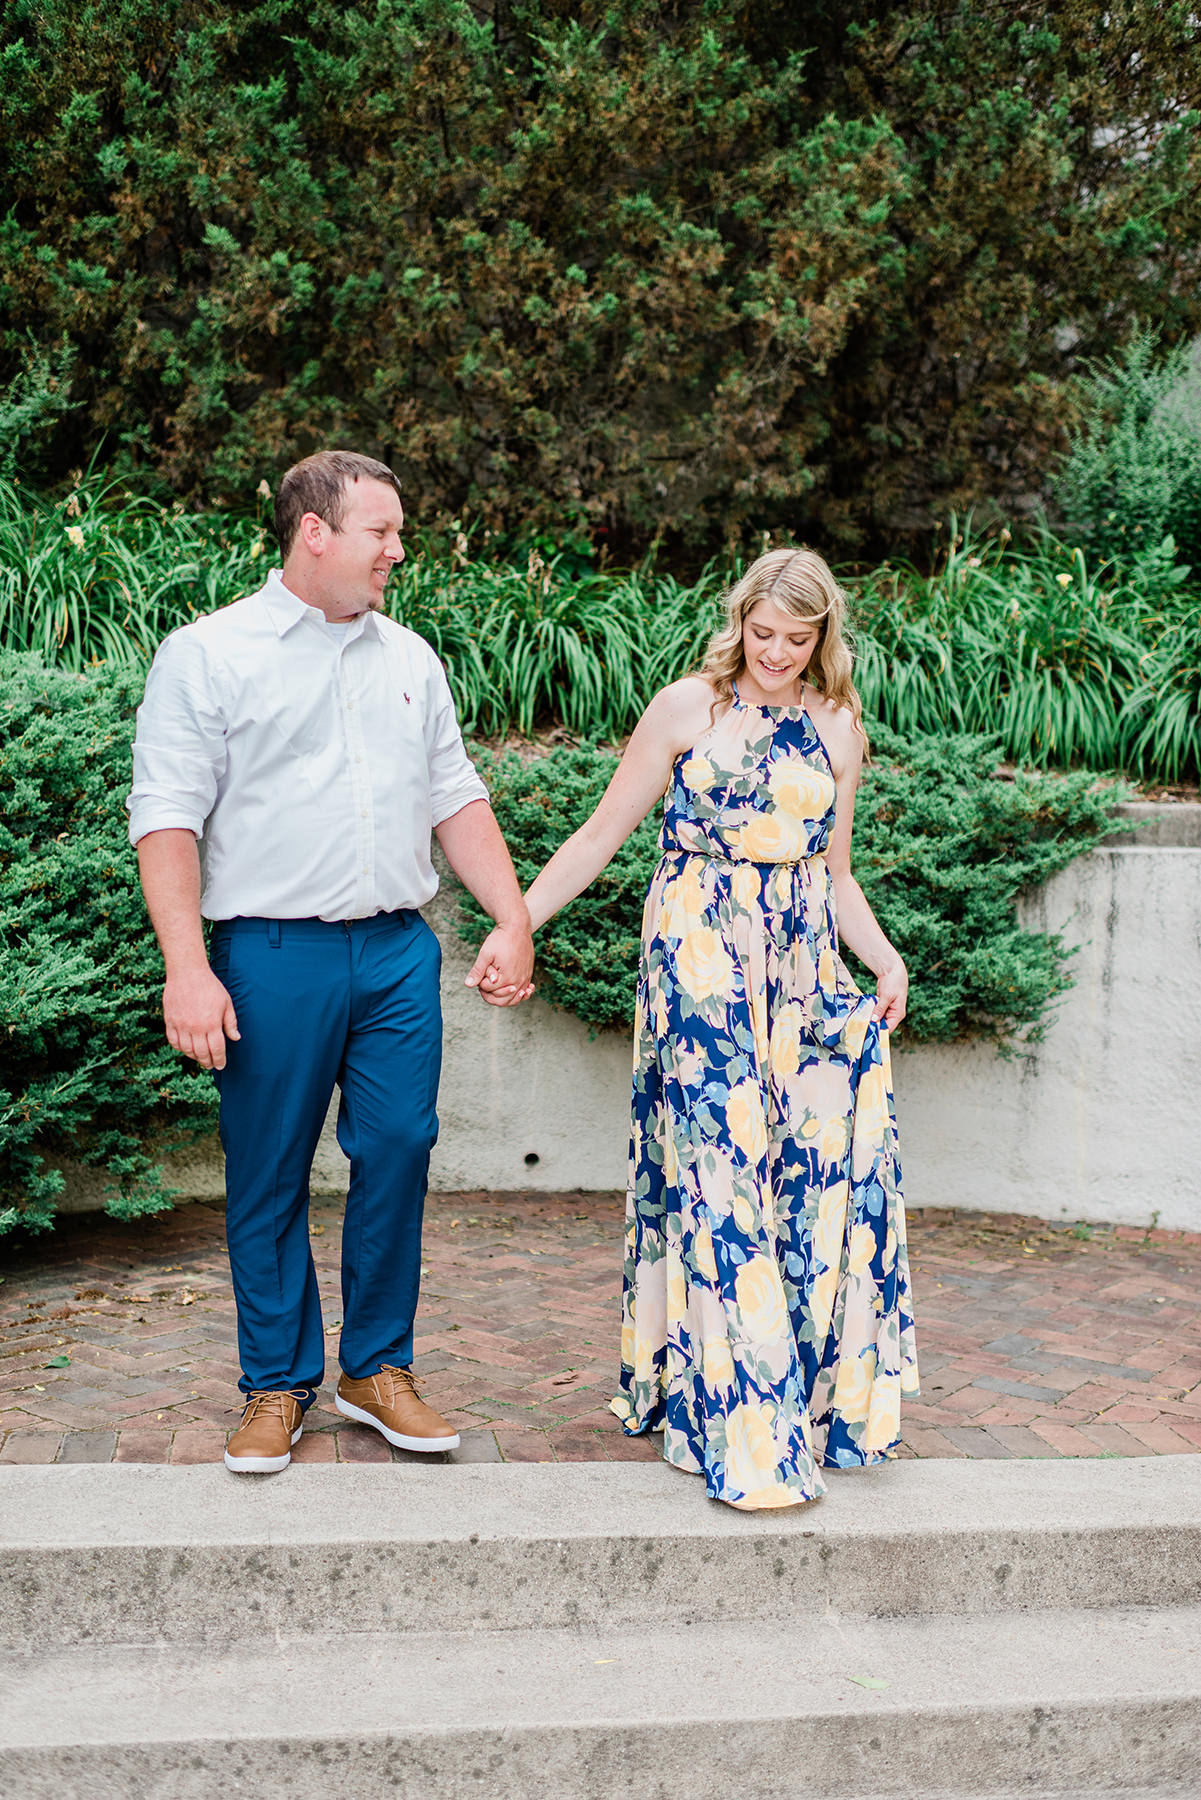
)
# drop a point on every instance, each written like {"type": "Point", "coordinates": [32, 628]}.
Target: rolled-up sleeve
{"type": "Point", "coordinates": [453, 777]}
{"type": "Point", "coordinates": [179, 751]}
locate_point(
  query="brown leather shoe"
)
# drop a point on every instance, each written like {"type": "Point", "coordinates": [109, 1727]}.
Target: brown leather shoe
{"type": "Point", "coordinates": [263, 1441]}
{"type": "Point", "coordinates": [389, 1401]}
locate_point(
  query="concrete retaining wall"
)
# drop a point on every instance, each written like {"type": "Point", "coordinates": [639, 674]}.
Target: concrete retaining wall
{"type": "Point", "coordinates": [1101, 1121]}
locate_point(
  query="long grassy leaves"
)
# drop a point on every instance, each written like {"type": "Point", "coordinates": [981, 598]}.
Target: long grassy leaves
{"type": "Point", "coordinates": [1067, 663]}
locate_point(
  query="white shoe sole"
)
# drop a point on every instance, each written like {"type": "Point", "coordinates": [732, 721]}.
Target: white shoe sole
{"type": "Point", "coordinates": [396, 1437]}
{"type": "Point", "coordinates": [261, 1465]}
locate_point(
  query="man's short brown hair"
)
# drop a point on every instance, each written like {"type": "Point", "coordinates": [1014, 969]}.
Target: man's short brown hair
{"type": "Point", "coordinates": [318, 485]}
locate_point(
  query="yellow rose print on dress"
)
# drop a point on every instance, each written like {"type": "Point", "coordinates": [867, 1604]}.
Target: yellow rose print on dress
{"type": "Point", "coordinates": [717, 1364]}
{"type": "Point", "coordinates": [770, 838]}
{"type": "Point", "coordinates": [853, 1386]}
{"type": "Point", "coordinates": [856, 1031]}
{"type": "Point", "coordinates": [760, 1294]}
{"type": "Point", "coordinates": [862, 1249]}
{"type": "Point", "coordinates": [884, 1419]}
{"type": "Point", "coordinates": [746, 1216]}
{"type": "Point", "coordinates": [690, 892]}
{"type": "Point", "coordinates": [786, 1041]}
{"type": "Point", "coordinates": [757, 1336]}
{"type": "Point", "coordinates": [703, 964]}
{"type": "Point", "coordinates": [832, 1141]}
{"type": "Point", "coordinates": [750, 1448]}
{"type": "Point", "coordinates": [830, 1227]}
{"type": "Point", "coordinates": [744, 1119]}
{"type": "Point", "coordinates": [871, 1118]}
{"type": "Point", "coordinates": [800, 790]}
{"type": "Point", "coordinates": [677, 1291]}
{"type": "Point", "coordinates": [699, 773]}
{"type": "Point", "coordinates": [745, 884]}
{"type": "Point", "coordinates": [702, 1253]}
{"type": "Point", "coordinates": [821, 1299]}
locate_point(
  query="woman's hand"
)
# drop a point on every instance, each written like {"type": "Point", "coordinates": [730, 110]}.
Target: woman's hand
{"type": "Point", "coordinates": [892, 994]}
{"type": "Point", "coordinates": [503, 968]}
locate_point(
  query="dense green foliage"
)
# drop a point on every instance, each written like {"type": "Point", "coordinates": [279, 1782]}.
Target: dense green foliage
{"type": "Point", "coordinates": [622, 266]}
{"type": "Point", "coordinates": [104, 576]}
{"type": "Point", "coordinates": [944, 849]}
{"type": "Point", "coordinates": [87, 1072]}
{"type": "Point", "coordinates": [1069, 660]}
{"type": "Point", "coordinates": [1133, 475]}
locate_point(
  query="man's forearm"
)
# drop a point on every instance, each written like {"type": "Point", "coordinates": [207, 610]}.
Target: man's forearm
{"type": "Point", "coordinates": [169, 864]}
{"type": "Point", "coordinates": [480, 858]}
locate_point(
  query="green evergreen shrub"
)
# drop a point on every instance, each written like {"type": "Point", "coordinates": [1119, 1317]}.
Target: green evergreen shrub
{"type": "Point", "coordinates": [616, 268]}
{"type": "Point", "coordinates": [944, 850]}
{"type": "Point", "coordinates": [87, 1074]}
{"type": "Point", "coordinates": [1131, 483]}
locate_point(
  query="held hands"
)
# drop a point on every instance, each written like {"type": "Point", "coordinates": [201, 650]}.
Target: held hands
{"type": "Point", "coordinates": [503, 968]}
{"type": "Point", "coordinates": [199, 1016]}
{"type": "Point", "coordinates": [892, 993]}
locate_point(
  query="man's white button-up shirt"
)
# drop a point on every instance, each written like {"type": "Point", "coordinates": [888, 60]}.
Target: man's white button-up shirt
{"type": "Point", "coordinates": [311, 770]}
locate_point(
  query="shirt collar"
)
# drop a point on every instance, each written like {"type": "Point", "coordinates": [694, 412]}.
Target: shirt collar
{"type": "Point", "coordinates": [287, 609]}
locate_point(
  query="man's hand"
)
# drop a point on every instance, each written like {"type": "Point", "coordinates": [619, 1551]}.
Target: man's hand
{"type": "Point", "coordinates": [199, 1016]}
{"type": "Point", "coordinates": [503, 968]}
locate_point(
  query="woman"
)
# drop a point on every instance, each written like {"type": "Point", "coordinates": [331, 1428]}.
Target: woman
{"type": "Point", "coordinates": [767, 1326]}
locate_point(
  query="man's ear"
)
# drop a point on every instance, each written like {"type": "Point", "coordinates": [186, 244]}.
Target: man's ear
{"type": "Point", "coordinates": [314, 533]}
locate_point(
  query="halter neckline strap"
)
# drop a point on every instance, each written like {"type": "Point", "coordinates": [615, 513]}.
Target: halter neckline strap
{"type": "Point", "coordinates": [753, 706]}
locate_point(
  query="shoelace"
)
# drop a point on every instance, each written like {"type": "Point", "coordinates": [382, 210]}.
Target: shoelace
{"type": "Point", "coordinates": [270, 1401]}
{"type": "Point", "coordinates": [405, 1377]}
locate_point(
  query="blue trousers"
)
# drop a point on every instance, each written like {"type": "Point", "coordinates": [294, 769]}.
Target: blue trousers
{"type": "Point", "coordinates": [318, 1003]}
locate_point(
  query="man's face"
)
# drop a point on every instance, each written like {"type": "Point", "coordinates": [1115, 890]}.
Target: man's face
{"type": "Point", "coordinates": [357, 560]}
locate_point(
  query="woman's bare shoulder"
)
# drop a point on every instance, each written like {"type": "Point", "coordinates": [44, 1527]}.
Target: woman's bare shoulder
{"type": "Point", "coordinates": [681, 712]}
{"type": "Point", "coordinates": [689, 692]}
{"type": "Point", "coordinates": [685, 701]}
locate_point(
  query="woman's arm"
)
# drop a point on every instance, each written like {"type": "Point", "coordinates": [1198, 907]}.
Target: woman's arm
{"type": "Point", "coordinates": [858, 926]}
{"type": "Point", "coordinates": [671, 724]}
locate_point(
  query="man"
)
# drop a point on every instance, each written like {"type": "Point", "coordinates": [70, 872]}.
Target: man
{"type": "Point", "coordinates": [309, 745]}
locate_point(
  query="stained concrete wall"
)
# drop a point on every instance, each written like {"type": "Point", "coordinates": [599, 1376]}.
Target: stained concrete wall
{"type": "Point", "coordinates": [1101, 1121]}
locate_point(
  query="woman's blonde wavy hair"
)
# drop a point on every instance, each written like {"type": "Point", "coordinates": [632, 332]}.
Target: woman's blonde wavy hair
{"type": "Point", "coordinates": [799, 582]}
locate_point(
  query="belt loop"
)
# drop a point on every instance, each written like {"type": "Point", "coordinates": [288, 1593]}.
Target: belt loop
{"type": "Point", "coordinates": [274, 933]}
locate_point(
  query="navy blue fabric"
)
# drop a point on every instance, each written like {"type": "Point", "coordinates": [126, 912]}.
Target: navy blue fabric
{"type": "Point", "coordinates": [318, 1003]}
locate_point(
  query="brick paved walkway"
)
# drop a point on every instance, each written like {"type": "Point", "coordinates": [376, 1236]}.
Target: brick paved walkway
{"type": "Point", "coordinates": [117, 1342]}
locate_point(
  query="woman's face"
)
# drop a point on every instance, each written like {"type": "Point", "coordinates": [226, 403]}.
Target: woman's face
{"type": "Point", "coordinates": [776, 647]}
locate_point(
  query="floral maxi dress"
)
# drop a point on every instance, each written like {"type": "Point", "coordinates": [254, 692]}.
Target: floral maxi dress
{"type": "Point", "coordinates": [767, 1325]}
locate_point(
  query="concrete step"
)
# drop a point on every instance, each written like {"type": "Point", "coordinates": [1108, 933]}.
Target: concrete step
{"type": "Point", "coordinates": [139, 1554]}
{"type": "Point", "coordinates": [973, 1704]}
